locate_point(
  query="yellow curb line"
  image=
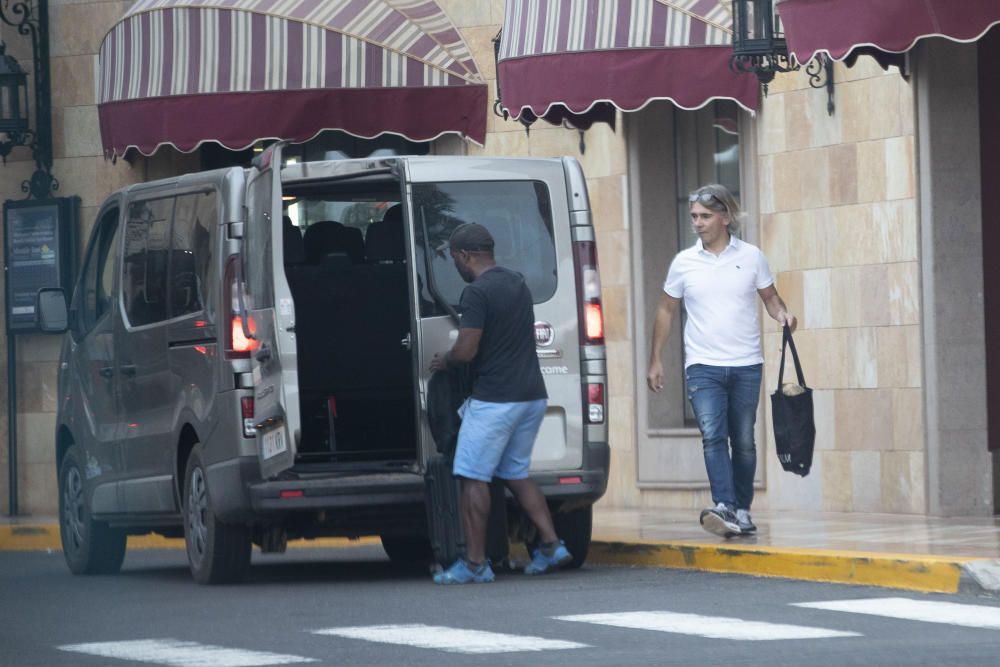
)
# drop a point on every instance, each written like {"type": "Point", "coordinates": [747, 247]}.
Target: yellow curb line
{"type": "Point", "coordinates": [38, 537]}
{"type": "Point", "coordinates": [933, 574]}
{"type": "Point", "coordinates": [936, 574]}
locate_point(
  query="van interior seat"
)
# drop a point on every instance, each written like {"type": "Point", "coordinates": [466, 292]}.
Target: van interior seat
{"type": "Point", "coordinates": [385, 241]}
{"type": "Point", "coordinates": [328, 236]}
{"type": "Point", "coordinates": [294, 247]}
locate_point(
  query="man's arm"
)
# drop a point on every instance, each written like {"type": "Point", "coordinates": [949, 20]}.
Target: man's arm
{"type": "Point", "coordinates": [462, 352]}
{"type": "Point", "coordinates": [776, 307]}
{"type": "Point", "coordinates": [661, 331]}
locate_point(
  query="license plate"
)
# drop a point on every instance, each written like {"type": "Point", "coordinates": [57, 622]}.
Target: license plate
{"type": "Point", "coordinates": [273, 443]}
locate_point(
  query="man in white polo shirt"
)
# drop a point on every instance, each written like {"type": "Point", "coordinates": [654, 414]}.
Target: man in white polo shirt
{"type": "Point", "coordinates": [719, 278]}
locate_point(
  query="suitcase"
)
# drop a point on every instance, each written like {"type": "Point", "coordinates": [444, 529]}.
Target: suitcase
{"type": "Point", "coordinates": [444, 519]}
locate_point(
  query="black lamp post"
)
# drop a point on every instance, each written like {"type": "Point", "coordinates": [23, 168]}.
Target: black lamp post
{"type": "Point", "coordinates": [759, 48]}
{"type": "Point", "coordinates": [31, 19]}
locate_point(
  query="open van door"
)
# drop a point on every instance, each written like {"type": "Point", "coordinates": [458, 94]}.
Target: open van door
{"type": "Point", "coordinates": [269, 318]}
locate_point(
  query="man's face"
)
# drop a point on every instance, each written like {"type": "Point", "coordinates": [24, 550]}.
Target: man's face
{"type": "Point", "coordinates": [461, 259]}
{"type": "Point", "coordinates": [709, 225]}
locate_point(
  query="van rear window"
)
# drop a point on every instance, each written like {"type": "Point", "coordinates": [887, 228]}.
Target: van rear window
{"type": "Point", "coordinates": [518, 215]}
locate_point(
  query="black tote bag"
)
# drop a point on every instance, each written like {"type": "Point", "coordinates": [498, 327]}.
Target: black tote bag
{"type": "Point", "coordinates": [792, 417]}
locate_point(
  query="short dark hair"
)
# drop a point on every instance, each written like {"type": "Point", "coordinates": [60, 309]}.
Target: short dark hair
{"type": "Point", "coordinates": [472, 237]}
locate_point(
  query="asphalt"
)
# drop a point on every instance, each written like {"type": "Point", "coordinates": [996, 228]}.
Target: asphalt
{"type": "Point", "coordinates": [929, 554]}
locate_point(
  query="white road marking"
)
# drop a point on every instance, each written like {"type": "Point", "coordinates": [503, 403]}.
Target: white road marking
{"type": "Point", "coordinates": [452, 640]}
{"type": "Point", "coordinates": [952, 613]}
{"type": "Point", "coordinates": [712, 627]}
{"type": "Point", "coordinates": [183, 654]}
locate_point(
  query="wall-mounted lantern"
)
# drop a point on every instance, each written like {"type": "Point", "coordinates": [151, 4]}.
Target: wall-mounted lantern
{"type": "Point", "coordinates": [759, 48]}
{"type": "Point", "coordinates": [31, 19]}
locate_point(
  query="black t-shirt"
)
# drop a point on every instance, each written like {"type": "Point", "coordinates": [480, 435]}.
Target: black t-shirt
{"type": "Point", "coordinates": [505, 369]}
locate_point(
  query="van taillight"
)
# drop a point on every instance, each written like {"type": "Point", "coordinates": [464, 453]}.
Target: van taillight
{"type": "Point", "coordinates": [242, 345]}
{"type": "Point", "coordinates": [595, 403]}
{"type": "Point", "coordinates": [246, 407]}
{"type": "Point", "coordinates": [588, 283]}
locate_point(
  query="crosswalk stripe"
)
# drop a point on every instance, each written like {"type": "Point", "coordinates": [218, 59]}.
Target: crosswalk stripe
{"type": "Point", "coordinates": [452, 640]}
{"type": "Point", "coordinates": [952, 613]}
{"type": "Point", "coordinates": [183, 654]}
{"type": "Point", "coordinates": [712, 627]}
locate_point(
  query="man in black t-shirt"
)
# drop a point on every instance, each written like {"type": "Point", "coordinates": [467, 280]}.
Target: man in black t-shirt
{"type": "Point", "coordinates": [502, 417]}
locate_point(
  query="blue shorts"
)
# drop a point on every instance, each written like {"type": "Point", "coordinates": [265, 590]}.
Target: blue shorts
{"type": "Point", "coordinates": [496, 439]}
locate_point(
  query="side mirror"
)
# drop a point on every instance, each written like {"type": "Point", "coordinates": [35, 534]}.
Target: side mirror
{"type": "Point", "coordinates": [51, 315]}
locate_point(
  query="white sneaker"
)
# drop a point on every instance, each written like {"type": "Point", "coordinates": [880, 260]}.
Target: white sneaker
{"type": "Point", "coordinates": [745, 522]}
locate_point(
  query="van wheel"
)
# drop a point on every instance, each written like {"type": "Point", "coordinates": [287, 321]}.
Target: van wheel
{"type": "Point", "coordinates": [217, 552]}
{"type": "Point", "coordinates": [407, 548]}
{"type": "Point", "coordinates": [90, 547]}
{"type": "Point", "coordinates": [574, 528]}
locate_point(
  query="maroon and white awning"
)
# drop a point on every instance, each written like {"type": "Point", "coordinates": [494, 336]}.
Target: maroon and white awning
{"type": "Point", "coordinates": [839, 27]}
{"type": "Point", "coordinates": [182, 72]}
{"type": "Point", "coordinates": [560, 57]}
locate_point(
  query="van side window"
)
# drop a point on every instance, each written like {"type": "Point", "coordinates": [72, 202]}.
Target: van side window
{"type": "Point", "coordinates": [95, 295]}
{"type": "Point", "coordinates": [191, 251]}
{"type": "Point", "coordinates": [144, 268]}
{"type": "Point", "coordinates": [518, 215]}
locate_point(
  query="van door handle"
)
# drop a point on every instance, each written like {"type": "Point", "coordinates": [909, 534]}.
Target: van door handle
{"type": "Point", "coordinates": [107, 372]}
{"type": "Point", "coordinates": [129, 370]}
{"type": "Point", "coordinates": [407, 342]}
{"type": "Point", "coordinates": [263, 354]}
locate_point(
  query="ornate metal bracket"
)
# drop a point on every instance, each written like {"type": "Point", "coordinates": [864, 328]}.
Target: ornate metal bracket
{"type": "Point", "coordinates": [34, 24]}
{"type": "Point", "coordinates": [820, 71]}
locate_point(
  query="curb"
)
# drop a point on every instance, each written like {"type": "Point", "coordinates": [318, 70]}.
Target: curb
{"type": "Point", "coordinates": [925, 573]}
{"type": "Point", "coordinates": [930, 574]}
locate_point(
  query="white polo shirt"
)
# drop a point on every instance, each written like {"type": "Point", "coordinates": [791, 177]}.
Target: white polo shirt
{"type": "Point", "coordinates": [720, 296]}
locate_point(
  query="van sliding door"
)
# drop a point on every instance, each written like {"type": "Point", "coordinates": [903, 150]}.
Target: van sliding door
{"type": "Point", "coordinates": [270, 320]}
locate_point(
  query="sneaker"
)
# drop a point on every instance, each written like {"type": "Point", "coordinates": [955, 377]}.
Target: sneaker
{"type": "Point", "coordinates": [720, 520]}
{"type": "Point", "coordinates": [543, 564]}
{"type": "Point", "coordinates": [461, 573]}
{"type": "Point", "coordinates": [744, 521]}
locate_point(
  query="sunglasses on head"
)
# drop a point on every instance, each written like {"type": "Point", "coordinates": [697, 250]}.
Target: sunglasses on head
{"type": "Point", "coordinates": [704, 198]}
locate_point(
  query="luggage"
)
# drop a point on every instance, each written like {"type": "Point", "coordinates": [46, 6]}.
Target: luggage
{"type": "Point", "coordinates": [444, 520]}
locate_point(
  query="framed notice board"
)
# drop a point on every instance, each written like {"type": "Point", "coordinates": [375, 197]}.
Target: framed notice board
{"type": "Point", "coordinates": [39, 250]}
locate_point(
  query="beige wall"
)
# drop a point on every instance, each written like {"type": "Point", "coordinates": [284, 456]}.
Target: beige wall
{"type": "Point", "coordinates": [838, 212]}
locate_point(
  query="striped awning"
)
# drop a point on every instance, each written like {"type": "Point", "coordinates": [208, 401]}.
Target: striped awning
{"type": "Point", "coordinates": [568, 57]}
{"type": "Point", "coordinates": [182, 72]}
{"type": "Point", "coordinates": [842, 28]}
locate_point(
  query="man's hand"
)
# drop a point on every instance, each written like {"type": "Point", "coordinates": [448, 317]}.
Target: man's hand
{"type": "Point", "coordinates": [654, 376]}
{"type": "Point", "coordinates": [438, 363]}
{"type": "Point", "coordinates": [785, 317]}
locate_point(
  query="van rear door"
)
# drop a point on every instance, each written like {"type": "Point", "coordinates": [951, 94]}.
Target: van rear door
{"type": "Point", "coordinates": [270, 319]}
{"type": "Point", "coordinates": [524, 205]}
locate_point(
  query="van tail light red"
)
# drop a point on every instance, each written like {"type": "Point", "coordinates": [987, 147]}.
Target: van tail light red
{"type": "Point", "coordinates": [246, 407]}
{"type": "Point", "coordinates": [237, 346]}
{"type": "Point", "coordinates": [588, 284]}
{"type": "Point", "coordinates": [595, 403]}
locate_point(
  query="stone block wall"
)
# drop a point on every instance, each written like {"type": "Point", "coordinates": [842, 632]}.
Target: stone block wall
{"type": "Point", "coordinates": [839, 225]}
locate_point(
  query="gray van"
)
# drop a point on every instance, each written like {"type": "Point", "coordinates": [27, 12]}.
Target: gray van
{"type": "Point", "coordinates": [247, 353]}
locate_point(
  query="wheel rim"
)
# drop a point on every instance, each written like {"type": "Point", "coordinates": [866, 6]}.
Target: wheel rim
{"type": "Point", "coordinates": [73, 522]}
{"type": "Point", "coordinates": [197, 511]}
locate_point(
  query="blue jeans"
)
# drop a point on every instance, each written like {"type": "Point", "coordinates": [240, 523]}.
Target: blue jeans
{"type": "Point", "coordinates": [724, 399]}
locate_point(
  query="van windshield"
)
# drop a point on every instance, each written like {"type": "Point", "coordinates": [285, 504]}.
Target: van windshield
{"type": "Point", "coordinates": [517, 213]}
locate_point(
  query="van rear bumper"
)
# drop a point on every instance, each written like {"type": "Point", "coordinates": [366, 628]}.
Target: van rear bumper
{"type": "Point", "coordinates": [578, 487]}
{"type": "Point", "coordinates": [337, 492]}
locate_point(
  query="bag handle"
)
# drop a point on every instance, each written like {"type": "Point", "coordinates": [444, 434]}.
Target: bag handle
{"type": "Point", "coordinates": [786, 342]}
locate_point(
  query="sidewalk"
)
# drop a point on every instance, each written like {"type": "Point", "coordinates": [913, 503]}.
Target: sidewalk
{"type": "Point", "coordinates": [898, 551]}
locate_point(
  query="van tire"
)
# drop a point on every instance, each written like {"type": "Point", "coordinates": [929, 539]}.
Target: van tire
{"type": "Point", "coordinates": [574, 528]}
{"type": "Point", "coordinates": [407, 548]}
{"type": "Point", "coordinates": [90, 547]}
{"type": "Point", "coordinates": [218, 552]}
